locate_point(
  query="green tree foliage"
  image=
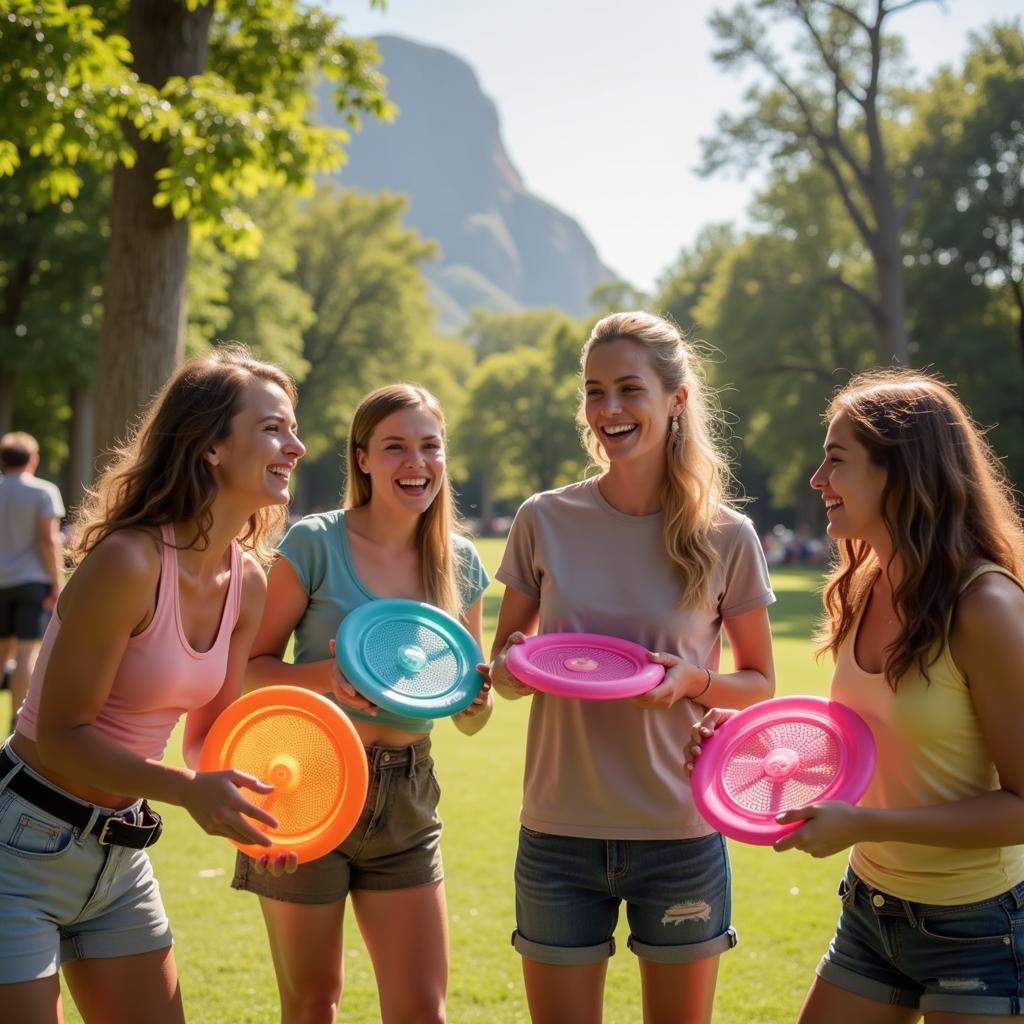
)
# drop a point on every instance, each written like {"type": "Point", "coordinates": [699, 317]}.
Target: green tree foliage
{"type": "Point", "coordinates": [682, 286]}
{"type": "Point", "coordinates": [490, 332]}
{"type": "Point", "coordinates": [51, 260]}
{"type": "Point", "coordinates": [195, 107]}
{"type": "Point", "coordinates": [517, 434]}
{"type": "Point", "coordinates": [842, 109]}
{"type": "Point", "coordinates": [966, 281]}
{"type": "Point", "coordinates": [788, 340]}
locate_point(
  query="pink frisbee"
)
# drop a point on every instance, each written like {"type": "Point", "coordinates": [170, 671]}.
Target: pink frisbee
{"type": "Point", "coordinates": [587, 665]}
{"type": "Point", "coordinates": [776, 755]}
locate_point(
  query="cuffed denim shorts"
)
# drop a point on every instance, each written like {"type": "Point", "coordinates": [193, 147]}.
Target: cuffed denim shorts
{"type": "Point", "coordinates": [966, 959]}
{"type": "Point", "coordinates": [568, 891]}
{"type": "Point", "coordinates": [396, 843]}
{"type": "Point", "coordinates": [63, 896]}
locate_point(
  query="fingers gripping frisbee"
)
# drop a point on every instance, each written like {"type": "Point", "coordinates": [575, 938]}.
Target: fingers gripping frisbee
{"type": "Point", "coordinates": [777, 755]}
{"type": "Point", "coordinates": [586, 665]}
{"type": "Point", "coordinates": [309, 751]}
{"type": "Point", "coordinates": [409, 658]}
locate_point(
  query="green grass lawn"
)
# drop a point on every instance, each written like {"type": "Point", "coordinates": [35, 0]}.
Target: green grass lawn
{"type": "Point", "coordinates": [784, 905]}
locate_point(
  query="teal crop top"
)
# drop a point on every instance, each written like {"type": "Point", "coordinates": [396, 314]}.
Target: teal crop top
{"type": "Point", "coordinates": [318, 550]}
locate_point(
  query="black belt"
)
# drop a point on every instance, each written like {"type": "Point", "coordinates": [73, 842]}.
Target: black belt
{"type": "Point", "coordinates": [109, 828]}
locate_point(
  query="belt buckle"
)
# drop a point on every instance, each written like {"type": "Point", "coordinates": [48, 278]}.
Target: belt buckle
{"type": "Point", "coordinates": [103, 839]}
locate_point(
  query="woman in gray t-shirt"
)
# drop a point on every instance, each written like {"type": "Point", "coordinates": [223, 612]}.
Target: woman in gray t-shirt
{"type": "Point", "coordinates": [649, 552]}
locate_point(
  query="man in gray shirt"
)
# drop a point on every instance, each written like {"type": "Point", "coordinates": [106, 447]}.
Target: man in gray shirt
{"type": "Point", "coordinates": [31, 555]}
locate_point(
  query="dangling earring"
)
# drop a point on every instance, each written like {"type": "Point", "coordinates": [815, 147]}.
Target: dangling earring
{"type": "Point", "coordinates": [674, 428]}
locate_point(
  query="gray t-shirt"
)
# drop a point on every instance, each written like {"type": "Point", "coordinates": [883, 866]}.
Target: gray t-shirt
{"type": "Point", "coordinates": [610, 769]}
{"type": "Point", "coordinates": [24, 500]}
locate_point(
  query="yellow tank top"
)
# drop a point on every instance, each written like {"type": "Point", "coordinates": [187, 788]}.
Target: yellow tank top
{"type": "Point", "coordinates": [931, 750]}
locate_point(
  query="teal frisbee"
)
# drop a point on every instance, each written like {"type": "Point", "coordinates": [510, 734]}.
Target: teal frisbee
{"type": "Point", "coordinates": [409, 658]}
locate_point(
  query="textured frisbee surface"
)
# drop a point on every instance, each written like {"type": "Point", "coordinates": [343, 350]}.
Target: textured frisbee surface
{"type": "Point", "coordinates": [777, 755]}
{"type": "Point", "coordinates": [409, 657]}
{"type": "Point", "coordinates": [309, 751]}
{"type": "Point", "coordinates": [587, 665]}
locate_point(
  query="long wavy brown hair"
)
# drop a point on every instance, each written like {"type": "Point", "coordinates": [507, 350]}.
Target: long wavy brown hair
{"type": "Point", "coordinates": [947, 505]}
{"type": "Point", "coordinates": [159, 475]}
{"type": "Point", "coordinates": [697, 469]}
{"type": "Point", "coordinates": [438, 568]}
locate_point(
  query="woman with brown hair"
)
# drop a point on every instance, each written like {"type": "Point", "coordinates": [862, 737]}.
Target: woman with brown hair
{"type": "Point", "coordinates": [396, 536]}
{"type": "Point", "coordinates": [155, 622]}
{"type": "Point", "coordinates": [924, 616]}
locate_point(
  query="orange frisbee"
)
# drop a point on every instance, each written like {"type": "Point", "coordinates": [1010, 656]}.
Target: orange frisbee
{"type": "Point", "coordinates": [311, 753]}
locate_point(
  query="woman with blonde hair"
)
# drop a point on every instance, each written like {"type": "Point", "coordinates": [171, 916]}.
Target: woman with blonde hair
{"type": "Point", "coordinates": [155, 622]}
{"type": "Point", "coordinates": [396, 536]}
{"type": "Point", "coordinates": [649, 551]}
{"type": "Point", "coordinates": [924, 616]}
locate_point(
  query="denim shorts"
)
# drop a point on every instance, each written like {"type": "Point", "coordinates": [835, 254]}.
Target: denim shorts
{"type": "Point", "coordinates": [966, 959]}
{"type": "Point", "coordinates": [568, 892]}
{"type": "Point", "coordinates": [63, 896]}
{"type": "Point", "coordinates": [396, 844]}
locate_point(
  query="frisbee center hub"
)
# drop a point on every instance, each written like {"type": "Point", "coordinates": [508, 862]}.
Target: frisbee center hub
{"type": "Point", "coordinates": [781, 763]}
{"type": "Point", "coordinates": [284, 772]}
{"type": "Point", "coordinates": [412, 659]}
{"type": "Point", "coordinates": [580, 664]}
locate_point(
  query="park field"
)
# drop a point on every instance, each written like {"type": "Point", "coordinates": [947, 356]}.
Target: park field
{"type": "Point", "coordinates": [784, 905]}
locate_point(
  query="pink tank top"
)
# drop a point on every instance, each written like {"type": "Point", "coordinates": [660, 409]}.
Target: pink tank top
{"type": "Point", "coordinates": [160, 676]}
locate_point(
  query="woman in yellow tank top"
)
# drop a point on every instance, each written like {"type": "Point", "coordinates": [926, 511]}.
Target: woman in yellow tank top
{"type": "Point", "coordinates": [924, 615]}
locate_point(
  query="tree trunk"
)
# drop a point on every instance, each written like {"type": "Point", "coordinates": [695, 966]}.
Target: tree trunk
{"type": "Point", "coordinates": [889, 275]}
{"type": "Point", "coordinates": [81, 463]}
{"type": "Point", "coordinates": [143, 331]}
{"type": "Point", "coordinates": [7, 378]}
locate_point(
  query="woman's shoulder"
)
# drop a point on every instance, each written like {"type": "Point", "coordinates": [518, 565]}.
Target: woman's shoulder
{"type": "Point", "coordinates": [566, 497]}
{"type": "Point", "coordinates": [316, 525]}
{"type": "Point", "coordinates": [994, 595]}
{"type": "Point", "coordinates": [136, 551]}
{"type": "Point", "coordinates": [127, 563]}
{"type": "Point", "coordinates": [316, 522]}
{"type": "Point", "coordinates": [729, 524]}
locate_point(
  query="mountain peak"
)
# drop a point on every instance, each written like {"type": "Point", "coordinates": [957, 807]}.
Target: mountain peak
{"type": "Point", "coordinates": [502, 246]}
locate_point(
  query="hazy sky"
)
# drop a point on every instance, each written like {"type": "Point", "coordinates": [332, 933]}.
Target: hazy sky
{"type": "Point", "coordinates": [603, 105]}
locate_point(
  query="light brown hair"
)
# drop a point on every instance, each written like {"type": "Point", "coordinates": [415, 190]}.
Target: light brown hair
{"type": "Point", "coordinates": [697, 469]}
{"type": "Point", "coordinates": [438, 569]}
{"type": "Point", "coordinates": [159, 475]}
{"type": "Point", "coordinates": [946, 504]}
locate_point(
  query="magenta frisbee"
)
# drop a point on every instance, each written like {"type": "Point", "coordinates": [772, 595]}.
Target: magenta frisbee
{"type": "Point", "coordinates": [587, 665]}
{"type": "Point", "coordinates": [776, 755]}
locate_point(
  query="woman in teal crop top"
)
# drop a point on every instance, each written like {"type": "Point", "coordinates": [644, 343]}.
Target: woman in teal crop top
{"type": "Point", "coordinates": [394, 538]}
{"type": "Point", "coordinates": [156, 621]}
{"type": "Point", "coordinates": [924, 615]}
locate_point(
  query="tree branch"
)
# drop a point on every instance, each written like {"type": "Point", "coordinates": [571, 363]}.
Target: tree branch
{"type": "Point", "coordinates": [844, 10]}
{"type": "Point", "coordinates": [900, 7]}
{"type": "Point", "coordinates": [872, 307]}
{"type": "Point", "coordinates": [842, 86]}
{"type": "Point", "coordinates": [824, 142]}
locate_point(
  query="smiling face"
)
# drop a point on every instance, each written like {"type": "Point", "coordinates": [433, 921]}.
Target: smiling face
{"type": "Point", "coordinates": [255, 461]}
{"type": "Point", "coordinates": [627, 407]}
{"type": "Point", "coordinates": [405, 460]}
{"type": "Point", "coordinates": [851, 486]}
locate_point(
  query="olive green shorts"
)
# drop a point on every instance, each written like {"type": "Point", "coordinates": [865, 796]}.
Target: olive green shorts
{"type": "Point", "coordinates": [396, 843]}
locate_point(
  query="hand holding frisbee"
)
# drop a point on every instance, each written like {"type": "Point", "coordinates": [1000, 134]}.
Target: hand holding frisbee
{"type": "Point", "coordinates": [305, 747]}
{"type": "Point", "coordinates": [585, 665]}
{"type": "Point", "coordinates": [409, 658]}
{"type": "Point", "coordinates": [779, 755]}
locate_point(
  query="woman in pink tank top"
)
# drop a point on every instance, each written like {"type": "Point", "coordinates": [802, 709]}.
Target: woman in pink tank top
{"type": "Point", "coordinates": [155, 622]}
{"type": "Point", "coordinates": [924, 615]}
